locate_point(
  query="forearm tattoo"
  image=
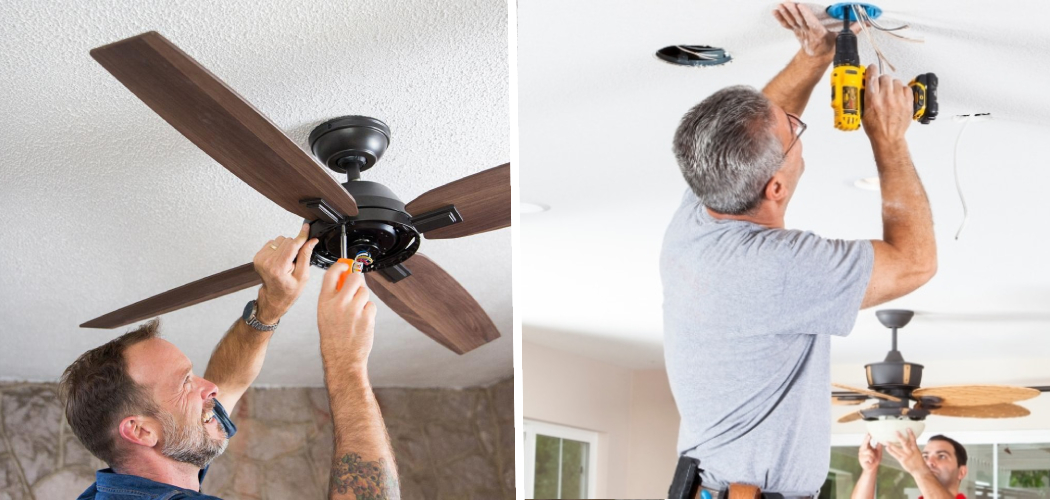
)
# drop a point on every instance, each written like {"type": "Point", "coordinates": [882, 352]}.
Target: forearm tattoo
{"type": "Point", "coordinates": [368, 480]}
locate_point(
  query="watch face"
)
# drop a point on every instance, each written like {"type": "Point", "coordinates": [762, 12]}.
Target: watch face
{"type": "Point", "coordinates": [249, 310]}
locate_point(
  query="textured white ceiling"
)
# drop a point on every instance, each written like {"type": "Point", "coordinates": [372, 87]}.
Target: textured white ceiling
{"type": "Point", "coordinates": [598, 110]}
{"type": "Point", "coordinates": [102, 203]}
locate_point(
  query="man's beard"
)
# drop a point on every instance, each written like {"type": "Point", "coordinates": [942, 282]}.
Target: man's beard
{"type": "Point", "coordinates": [191, 443]}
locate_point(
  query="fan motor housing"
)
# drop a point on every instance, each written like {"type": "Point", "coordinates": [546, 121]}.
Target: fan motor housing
{"type": "Point", "coordinates": [381, 227]}
{"type": "Point", "coordinates": [894, 375]}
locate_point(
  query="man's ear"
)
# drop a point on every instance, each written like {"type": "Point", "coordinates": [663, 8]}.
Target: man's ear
{"type": "Point", "coordinates": [139, 430]}
{"type": "Point", "coordinates": [962, 472]}
{"type": "Point", "coordinates": [776, 188]}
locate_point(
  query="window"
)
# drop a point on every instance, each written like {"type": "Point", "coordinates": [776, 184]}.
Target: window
{"type": "Point", "coordinates": [560, 461]}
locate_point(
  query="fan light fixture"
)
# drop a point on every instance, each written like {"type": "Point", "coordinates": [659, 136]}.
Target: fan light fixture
{"type": "Point", "coordinates": [885, 429]}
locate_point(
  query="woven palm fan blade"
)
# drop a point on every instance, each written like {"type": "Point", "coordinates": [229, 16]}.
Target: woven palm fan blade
{"type": "Point", "coordinates": [1003, 410]}
{"type": "Point", "coordinates": [867, 392]}
{"type": "Point", "coordinates": [976, 395]}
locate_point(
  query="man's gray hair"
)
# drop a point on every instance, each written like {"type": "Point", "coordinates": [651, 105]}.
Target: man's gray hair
{"type": "Point", "coordinates": [727, 150]}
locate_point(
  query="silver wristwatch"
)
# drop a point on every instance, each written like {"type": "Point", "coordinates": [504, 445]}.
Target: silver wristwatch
{"type": "Point", "coordinates": [249, 317]}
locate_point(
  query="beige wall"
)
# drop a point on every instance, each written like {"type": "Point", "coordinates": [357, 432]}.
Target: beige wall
{"type": "Point", "coordinates": [632, 411]}
{"type": "Point", "coordinates": [654, 435]}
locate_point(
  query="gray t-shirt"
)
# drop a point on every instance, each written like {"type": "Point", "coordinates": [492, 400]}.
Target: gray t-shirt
{"type": "Point", "coordinates": [748, 314]}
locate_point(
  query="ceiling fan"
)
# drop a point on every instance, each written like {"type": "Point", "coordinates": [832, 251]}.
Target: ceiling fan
{"type": "Point", "coordinates": [357, 217]}
{"type": "Point", "coordinates": [895, 385]}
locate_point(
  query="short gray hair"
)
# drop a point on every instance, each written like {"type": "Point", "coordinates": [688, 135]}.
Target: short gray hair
{"type": "Point", "coordinates": [727, 150]}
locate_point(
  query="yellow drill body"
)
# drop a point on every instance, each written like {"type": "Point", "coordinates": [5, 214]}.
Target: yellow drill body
{"type": "Point", "coordinates": [847, 95]}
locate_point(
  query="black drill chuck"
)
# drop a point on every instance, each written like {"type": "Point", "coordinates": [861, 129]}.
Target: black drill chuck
{"type": "Point", "coordinates": [846, 49]}
{"type": "Point", "coordinates": [846, 44]}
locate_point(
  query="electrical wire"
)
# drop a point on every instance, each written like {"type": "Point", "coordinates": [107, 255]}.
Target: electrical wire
{"type": "Point", "coordinates": [868, 21]}
{"type": "Point", "coordinates": [958, 185]}
{"type": "Point", "coordinates": [890, 31]}
{"type": "Point", "coordinates": [701, 55]}
{"type": "Point", "coordinates": [362, 259]}
{"type": "Point", "coordinates": [863, 19]}
{"type": "Point", "coordinates": [881, 28]}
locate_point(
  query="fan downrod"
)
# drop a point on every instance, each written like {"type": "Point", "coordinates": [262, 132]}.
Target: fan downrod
{"type": "Point", "coordinates": [894, 373]}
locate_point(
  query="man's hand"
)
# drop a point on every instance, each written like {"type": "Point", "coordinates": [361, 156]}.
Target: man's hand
{"type": "Point", "coordinates": [869, 462]}
{"type": "Point", "coordinates": [793, 86]}
{"type": "Point", "coordinates": [346, 321]}
{"type": "Point", "coordinates": [816, 40]}
{"type": "Point", "coordinates": [284, 265]}
{"type": "Point", "coordinates": [907, 453]}
{"type": "Point", "coordinates": [869, 457]}
{"type": "Point", "coordinates": [887, 107]}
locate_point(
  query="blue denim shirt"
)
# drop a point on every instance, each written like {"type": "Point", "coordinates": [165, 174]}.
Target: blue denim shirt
{"type": "Point", "coordinates": [112, 486]}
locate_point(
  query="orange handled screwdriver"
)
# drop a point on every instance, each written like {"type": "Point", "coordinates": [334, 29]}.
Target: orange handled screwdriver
{"type": "Point", "coordinates": [357, 264]}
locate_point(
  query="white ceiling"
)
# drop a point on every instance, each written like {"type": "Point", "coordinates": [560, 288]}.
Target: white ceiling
{"type": "Point", "coordinates": [598, 110]}
{"type": "Point", "coordinates": [102, 203]}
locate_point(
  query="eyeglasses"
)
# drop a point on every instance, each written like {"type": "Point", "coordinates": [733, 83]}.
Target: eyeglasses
{"type": "Point", "coordinates": [797, 127]}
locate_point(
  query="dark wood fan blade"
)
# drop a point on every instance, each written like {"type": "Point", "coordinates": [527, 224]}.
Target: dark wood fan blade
{"type": "Point", "coordinates": [213, 286]}
{"type": "Point", "coordinates": [435, 303]}
{"type": "Point", "coordinates": [976, 395]}
{"type": "Point", "coordinates": [1003, 410]}
{"type": "Point", "coordinates": [483, 199]}
{"type": "Point", "coordinates": [220, 122]}
{"type": "Point", "coordinates": [867, 392]}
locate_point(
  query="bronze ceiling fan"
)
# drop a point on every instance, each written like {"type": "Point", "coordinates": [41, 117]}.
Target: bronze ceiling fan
{"type": "Point", "coordinates": [373, 219]}
{"type": "Point", "coordinates": [895, 384]}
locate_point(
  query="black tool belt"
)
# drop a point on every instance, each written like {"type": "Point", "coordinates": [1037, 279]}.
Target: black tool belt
{"type": "Point", "coordinates": [687, 484]}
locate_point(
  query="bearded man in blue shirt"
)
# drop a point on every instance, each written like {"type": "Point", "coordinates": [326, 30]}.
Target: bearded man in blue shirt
{"type": "Point", "coordinates": [136, 403]}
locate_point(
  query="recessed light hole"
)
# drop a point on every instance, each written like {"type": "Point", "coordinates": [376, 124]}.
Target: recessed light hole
{"type": "Point", "coordinates": [694, 55]}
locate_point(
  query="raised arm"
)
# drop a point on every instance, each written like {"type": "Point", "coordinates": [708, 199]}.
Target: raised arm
{"type": "Point", "coordinates": [792, 87]}
{"type": "Point", "coordinates": [363, 465]}
{"type": "Point", "coordinates": [869, 462]}
{"type": "Point", "coordinates": [284, 266]}
{"type": "Point", "coordinates": [906, 256]}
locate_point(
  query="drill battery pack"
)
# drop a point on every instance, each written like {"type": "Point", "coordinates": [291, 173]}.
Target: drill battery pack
{"type": "Point", "coordinates": [924, 93]}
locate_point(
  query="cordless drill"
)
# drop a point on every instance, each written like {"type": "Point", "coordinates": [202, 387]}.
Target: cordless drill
{"type": "Point", "coordinates": [847, 84]}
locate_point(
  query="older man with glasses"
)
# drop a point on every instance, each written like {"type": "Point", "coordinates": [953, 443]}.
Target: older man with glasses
{"type": "Point", "coordinates": [749, 305]}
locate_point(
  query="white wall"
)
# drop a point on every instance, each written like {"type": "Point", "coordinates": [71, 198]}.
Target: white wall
{"type": "Point", "coordinates": [631, 409]}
